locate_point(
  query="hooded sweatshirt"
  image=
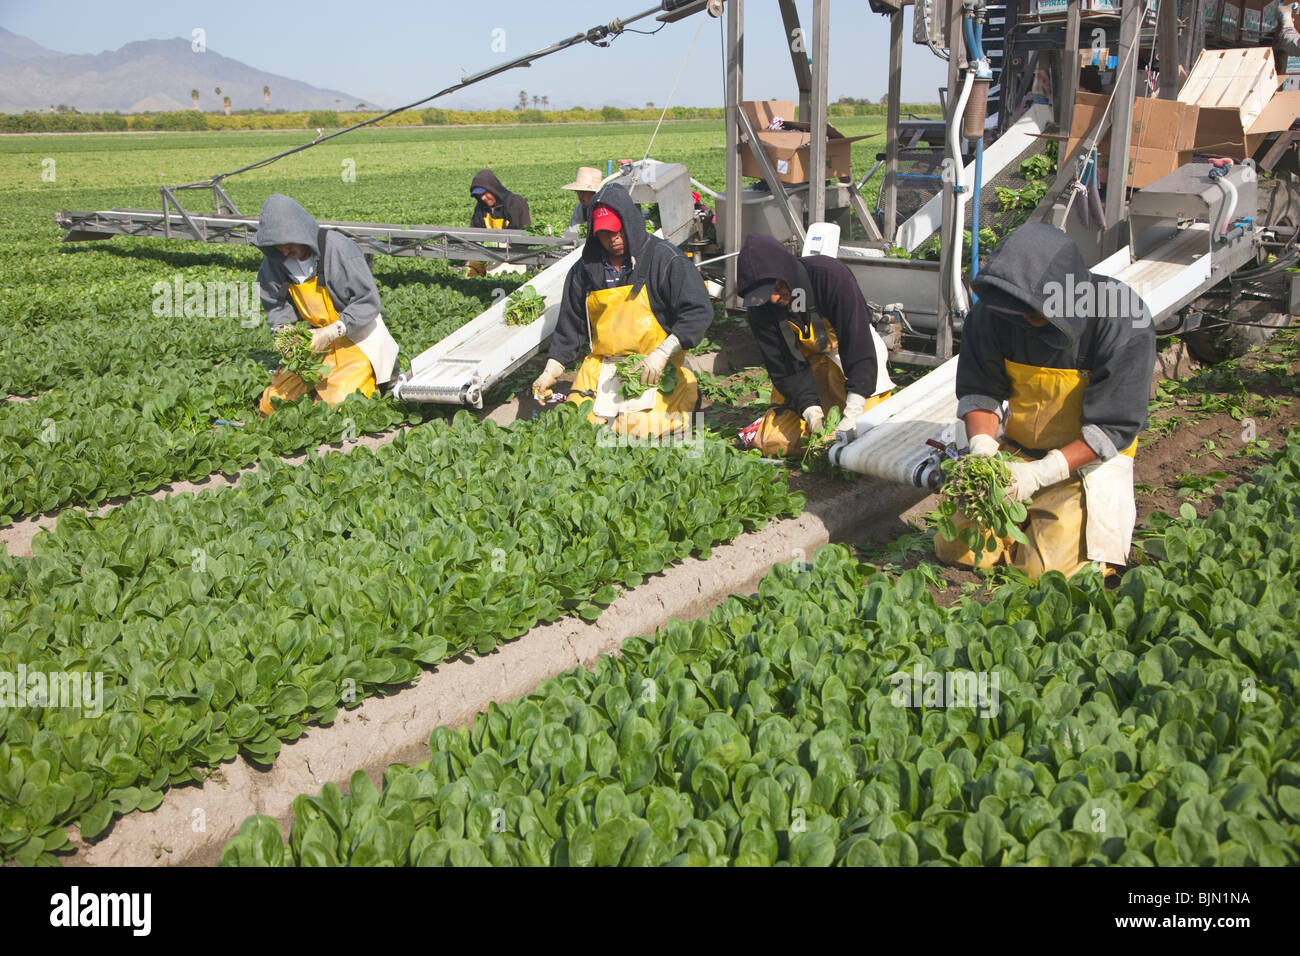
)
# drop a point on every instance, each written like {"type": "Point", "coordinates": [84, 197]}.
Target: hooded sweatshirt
{"type": "Point", "coordinates": [513, 209]}
{"type": "Point", "coordinates": [678, 298]}
{"type": "Point", "coordinates": [347, 277]}
{"type": "Point", "coordinates": [1096, 324]}
{"type": "Point", "coordinates": [836, 295]}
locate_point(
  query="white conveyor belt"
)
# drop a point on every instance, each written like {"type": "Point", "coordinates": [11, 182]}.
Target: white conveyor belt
{"type": "Point", "coordinates": [1022, 134]}
{"type": "Point", "coordinates": [460, 367]}
{"type": "Point", "coordinates": [891, 437]}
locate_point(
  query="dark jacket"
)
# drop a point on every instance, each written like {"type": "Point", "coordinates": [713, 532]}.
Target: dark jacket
{"type": "Point", "coordinates": [834, 293]}
{"type": "Point", "coordinates": [678, 298]}
{"type": "Point", "coordinates": [513, 209]}
{"type": "Point", "coordinates": [347, 277]}
{"type": "Point", "coordinates": [1096, 324]}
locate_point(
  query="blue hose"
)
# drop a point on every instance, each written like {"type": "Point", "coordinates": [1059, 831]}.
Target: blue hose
{"type": "Point", "coordinates": [975, 210]}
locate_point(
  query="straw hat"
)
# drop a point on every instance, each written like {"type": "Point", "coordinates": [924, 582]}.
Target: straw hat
{"type": "Point", "coordinates": [588, 180]}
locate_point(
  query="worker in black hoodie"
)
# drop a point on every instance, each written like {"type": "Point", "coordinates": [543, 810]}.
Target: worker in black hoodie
{"type": "Point", "coordinates": [810, 320]}
{"type": "Point", "coordinates": [495, 207]}
{"type": "Point", "coordinates": [630, 294]}
{"type": "Point", "coordinates": [1072, 355]}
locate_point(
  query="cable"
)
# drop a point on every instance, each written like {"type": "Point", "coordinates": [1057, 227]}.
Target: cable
{"type": "Point", "coordinates": [598, 36]}
{"type": "Point", "coordinates": [1096, 135]}
{"type": "Point", "coordinates": [668, 102]}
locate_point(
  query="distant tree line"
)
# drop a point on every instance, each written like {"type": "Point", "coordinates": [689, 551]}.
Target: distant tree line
{"type": "Point", "coordinates": [65, 119]}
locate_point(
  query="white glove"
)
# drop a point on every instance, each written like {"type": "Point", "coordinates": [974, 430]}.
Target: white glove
{"type": "Point", "coordinates": [1029, 476]}
{"type": "Point", "coordinates": [983, 446]}
{"type": "Point", "coordinates": [323, 338]}
{"type": "Point", "coordinates": [814, 417]}
{"type": "Point", "coordinates": [853, 410]}
{"type": "Point", "coordinates": [542, 384]}
{"type": "Point", "coordinates": [653, 365]}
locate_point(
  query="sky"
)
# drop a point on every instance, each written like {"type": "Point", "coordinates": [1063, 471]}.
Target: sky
{"type": "Point", "coordinates": [395, 53]}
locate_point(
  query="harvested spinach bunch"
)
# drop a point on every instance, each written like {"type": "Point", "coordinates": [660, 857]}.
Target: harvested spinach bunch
{"type": "Point", "coordinates": [525, 305]}
{"type": "Point", "coordinates": [818, 444]}
{"type": "Point", "coordinates": [293, 345]}
{"type": "Point", "coordinates": [629, 370]}
{"type": "Point", "coordinates": [977, 487]}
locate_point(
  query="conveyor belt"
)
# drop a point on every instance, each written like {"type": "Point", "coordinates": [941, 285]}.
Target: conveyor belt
{"type": "Point", "coordinates": [891, 437]}
{"type": "Point", "coordinates": [459, 368]}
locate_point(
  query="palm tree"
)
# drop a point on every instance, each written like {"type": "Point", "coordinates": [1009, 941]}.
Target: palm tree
{"type": "Point", "coordinates": [217, 91]}
{"type": "Point", "coordinates": [266, 95]}
{"type": "Point", "coordinates": [546, 102]}
{"type": "Point", "coordinates": [536, 101]}
{"type": "Point", "coordinates": [523, 100]}
{"type": "Point", "coordinates": [225, 101]}
{"type": "Point", "coordinates": [194, 95]}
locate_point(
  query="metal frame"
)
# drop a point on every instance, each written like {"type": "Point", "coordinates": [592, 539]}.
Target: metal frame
{"type": "Point", "coordinates": [425, 242]}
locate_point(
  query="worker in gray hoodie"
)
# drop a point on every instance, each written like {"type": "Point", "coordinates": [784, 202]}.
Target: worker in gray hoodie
{"type": "Point", "coordinates": [629, 294]}
{"type": "Point", "coordinates": [321, 277]}
{"type": "Point", "coordinates": [1055, 368]}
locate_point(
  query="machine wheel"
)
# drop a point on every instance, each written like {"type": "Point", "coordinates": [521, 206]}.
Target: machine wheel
{"type": "Point", "coordinates": [1217, 341]}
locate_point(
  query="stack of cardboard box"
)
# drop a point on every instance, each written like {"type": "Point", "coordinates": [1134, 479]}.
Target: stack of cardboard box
{"type": "Point", "coordinates": [1237, 93]}
{"type": "Point", "coordinates": [788, 147]}
{"type": "Point", "coordinates": [1228, 106]}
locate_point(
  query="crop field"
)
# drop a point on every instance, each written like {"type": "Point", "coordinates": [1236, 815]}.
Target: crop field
{"type": "Point", "coordinates": [1117, 727]}
{"type": "Point", "coordinates": [291, 587]}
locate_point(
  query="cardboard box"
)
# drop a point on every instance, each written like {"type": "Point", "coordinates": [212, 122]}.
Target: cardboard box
{"type": "Point", "coordinates": [1230, 21]}
{"type": "Point", "coordinates": [1095, 56]}
{"type": "Point", "coordinates": [1212, 10]}
{"type": "Point", "coordinates": [1252, 13]}
{"type": "Point", "coordinates": [789, 148]}
{"type": "Point", "coordinates": [1242, 78]}
{"type": "Point", "coordinates": [1291, 82]}
{"type": "Point", "coordinates": [1269, 21]}
{"type": "Point", "coordinates": [1163, 134]}
{"type": "Point", "coordinates": [1222, 132]}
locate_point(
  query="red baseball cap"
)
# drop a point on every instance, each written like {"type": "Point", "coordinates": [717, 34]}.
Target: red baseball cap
{"type": "Point", "coordinates": [605, 219]}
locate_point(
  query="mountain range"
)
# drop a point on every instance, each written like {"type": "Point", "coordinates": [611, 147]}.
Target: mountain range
{"type": "Point", "coordinates": [147, 75]}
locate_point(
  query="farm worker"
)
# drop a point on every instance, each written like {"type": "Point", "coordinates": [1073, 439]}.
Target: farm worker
{"type": "Point", "coordinates": [585, 186]}
{"type": "Point", "coordinates": [1072, 354]}
{"type": "Point", "coordinates": [495, 207]}
{"type": "Point", "coordinates": [321, 277]}
{"type": "Point", "coordinates": [630, 294]}
{"type": "Point", "coordinates": [820, 348]}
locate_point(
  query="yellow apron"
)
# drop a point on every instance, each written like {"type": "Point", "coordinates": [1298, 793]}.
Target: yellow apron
{"type": "Point", "coordinates": [350, 370]}
{"type": "Point", "coordinates": [621, 324]}
{"type": "Point", "coordinates": [1089, 516]}
{"type": "Point", "coordinates": [476, 270]}
{"type": "Point", "coordinates": [782, 429]}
